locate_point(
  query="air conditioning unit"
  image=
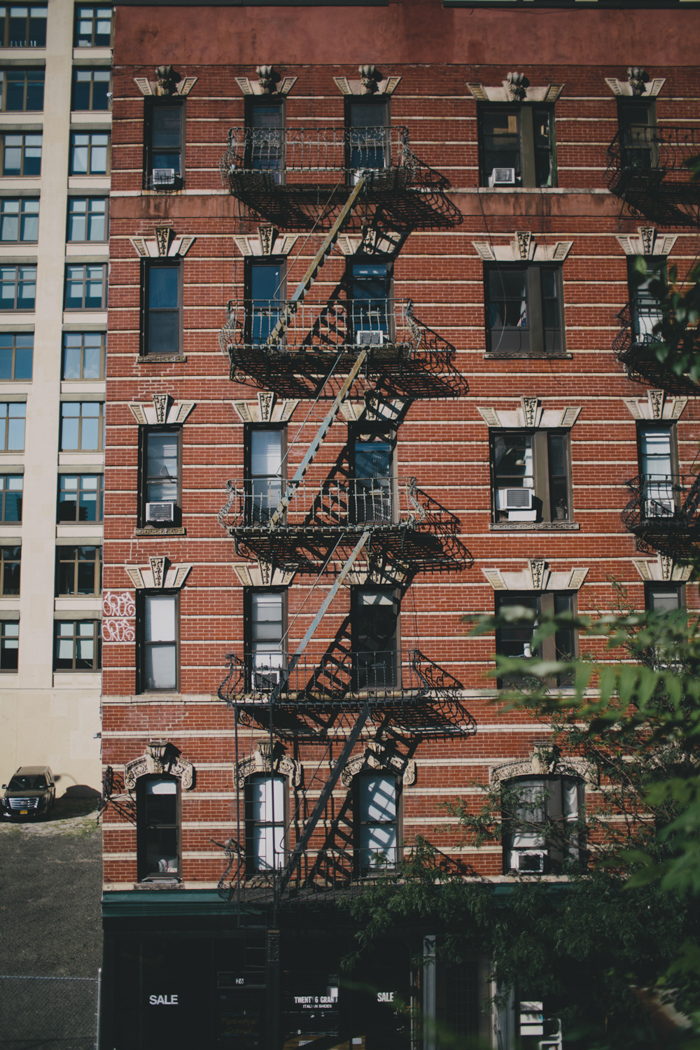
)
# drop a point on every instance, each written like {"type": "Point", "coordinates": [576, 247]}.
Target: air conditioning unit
{"type": "Point", "coordinates": [265, 680]}
{"type": "Point", "coordinates": [530, 861]}
{"type": "Point", "coordinates": [160, 513]}
{"type": "Point", "coordinates": [370, 338]}
{"type": "Point", "coordinates": [163, 176]}
{"type": "Point", "coordinates": [515, 499]}
{"type": "Point", "coordinates": [502, 177]}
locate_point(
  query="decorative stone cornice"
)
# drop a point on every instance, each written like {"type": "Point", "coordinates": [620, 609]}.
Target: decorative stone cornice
{"type": "Point", "coordinates": [377, 756]}
{"type": "Point", "coordinates": [637, 84]}
{"type": "Point", "coordinates": [265, 760]}
{"type": "Point", "coordinates": [536, 576]}
{"type": "Point", "coordinates": [267, 409]}
{"type": "Point", "coordinates": [371, 82]}
{"type": "Point", "coordinates": [541, 764]}
{"type": "Point", "coordinates": [657, 405]}
{"type": "Point", "coordinates": [523, 248]}
{"type": "Point", "coordinates": [649, 242]}
{"type": "Point", "coordinates": [265, 574]}
{"type": "Point", "coordinates": [163, 410]}
{"type": "Point", "coordinates": [160, 758]}
{"type": "Point", "coordinates": [370, 241]}
{"type": "Point", "coordinates": [268, 242]}
{"type": "Point", "coordinates": [530, 414]}
{"type": "Point", "coordinates": [166, 84]}
{"type": "Point", "coordinates": [269, 82]}
{"type": "Point", "coordinates": [662, 569]}
{"type": "Point", "coordinates": [516, 88]}
{"type": "Point", "coordinates": [158, 574]}
{"type": "Point", "coordinates": [163, 245]}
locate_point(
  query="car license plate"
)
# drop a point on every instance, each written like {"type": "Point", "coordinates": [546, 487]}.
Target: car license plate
{"type": "Point", "coordinates": [23, 812]}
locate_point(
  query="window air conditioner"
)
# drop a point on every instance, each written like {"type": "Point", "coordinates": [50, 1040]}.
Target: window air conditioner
{"type": "Point", "coordinates": [265, 680]}
{"type": "Point", "coordinates": [163, 176]}
{"type": "Point", "coordinates": [160, 512]}
{"type": "Point", "coordinates": [529, 861]}
{"type": "Point", "coordinates": [370, 338]}
{"type": "Point", "coordinates": [502, 177]}
{"type": "Point", "coordinates": [515, 499]}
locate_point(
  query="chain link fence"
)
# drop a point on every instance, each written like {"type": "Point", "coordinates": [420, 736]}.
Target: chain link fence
{"type": "Point", "coordinates": [48, 1013]}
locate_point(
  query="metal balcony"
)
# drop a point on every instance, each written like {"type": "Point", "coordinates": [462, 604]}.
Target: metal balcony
{"type": "Point", "coordinates": [636, 344]}
{"type": "Point", "coordinates": [663, 511]}
{"type": "Point", "coordinates": [648, 169]}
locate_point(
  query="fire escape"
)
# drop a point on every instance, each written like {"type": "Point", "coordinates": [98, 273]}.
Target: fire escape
{"type": "Point", "coordinates": [374, 353]}
{"type": "Point", "coordinates": [649, 170]}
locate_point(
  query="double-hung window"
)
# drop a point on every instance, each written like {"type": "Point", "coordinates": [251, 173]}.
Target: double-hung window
{"type": "Point", "coordinates": [93, 25]}
{"type": "Point", "coordinates": [78, 571]}
{"type": "Point", "coordinates": [160, 474]}
{"type": "Point", "coordinates": [531, 475]}
{"type": "Point", "coordinates": [543, 823]}
{"type": "Point", "coordinates": [162, 290]}
{"type": "Point", "coordinates": [86, 286]}
{"type": "Point", "coordinates": [524, 309]}
{"type": "Point", "coordinates": [372, 305]}
{"type": "Point", "coordinates": [17, 287]}
{"type": "Point", "coordinates": [9, 645]}
{"type": "Point", "coordinates": [82, 426]}
{"type": "Point", "coordinates": [23, 25]}
{"type": "Point", "coordinates": [645, 306]}
{"type": "Point", "coordinates": [659, 478]}
{"type": "Point", "coordinates": [21, 153]}
{"type": "Point", "coordinates": [638, 134]}
{"type": "Point", "coordinates": [377, 821]}
{"type": "Point", "coordinates": [83, 355]}
{"type": "Point", "coordinates": [80, 497]}
{"type": "Point", "coordinates": [87, 218]}
{"type": "Point", "coordinates": [12, 420]}
{"type": "Point", "coordinates": [265, 294]}
{"type": "Point", "coordinates": [514, 639]}
{"type": "Point", "coordinates": [10, 559]}
{"type": "Point", "coordinates": [77, 645]}
{"type": "Point", "coordinates": [367, 125]}
{"type": "Point", "coordinates": [375, 623]}
{"type": "Point", "coordinates": [19, 219]}
{"type": "Point", "coordinates": [517, 145]}
{"type": "Point", "coordinates": [373, 482]}
{"type": "Point", "coordinates": [265, 614]}
{"type": "Point", "coordinates": [89, 153]}
{"type": "Point", "coordinates": [664, 597]}
{"type": "Point", "coordinates": [164, 136]}
{"type": "Point", "coordinates": [16, 353]}
{"type": "Point", "coordinates": [159, 638]}
{"type": "Point", "coordinates": [266, 460]}
{"type": "Point", "coordinates": [22, 90]}
{"type": "Point", "coordinates": [158, 827]}
{"type": "Point", "coordinates": [91, 89]}
{"type": "Point", "coordinates": [265, 822]}
{"type": "Point", "coordinates": [265, 133]}
{"type": "Point", "coordinates": [11, 489]}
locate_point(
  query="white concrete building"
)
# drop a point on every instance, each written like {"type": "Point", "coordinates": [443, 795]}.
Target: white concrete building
{"type": "Point", "coordinates": [55, 118]}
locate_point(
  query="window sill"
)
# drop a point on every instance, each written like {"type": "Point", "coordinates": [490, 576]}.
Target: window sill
{"type": "Point", "coordinates": [175, 531]}
{"type": "Point", "coordinates": [173, 883]}
{"type": "Point", "coordinates": [534, 526]}
{"type": "Point", "coordinates": [538, 355]}
{"type": "Point", "coordinates": [150, 359]}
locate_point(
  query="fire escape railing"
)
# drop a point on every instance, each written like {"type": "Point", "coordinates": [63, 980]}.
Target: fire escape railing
{"type": "Point", "coordinates": [663, 504]}
{"type": "Point", "coordinates": [649, 168]}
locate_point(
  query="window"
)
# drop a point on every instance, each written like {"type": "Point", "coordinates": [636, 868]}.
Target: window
{"type": "Point", "coordinates": [377, 816]}
{"type": "Point", "coordinates": [265, 636]}
{"type": "Point", "coordinates": [658, 476]}
{"type": "Point", "coordinates": [93, 26]}
{"type": "Point", "coordinates": [160, 473]}
{"type": "Point", "coordinates": [373, 484]}
{"type": "Point", "coordinates": [367, 123]}
{"type": "Point", "coordinates": [265, 124]}
{"type": "Point", "coordinates": [375, 617]}
{"type": "Point", "coordinates": [265, 822]}
{"type": "Point", "coordinates": [266, 462]}
{"type": "Point", "coordinates": [157, 827]}
{"type": "Point", "coordinates": [265, 294]}
{"type": "Point", "coordinates": [12, 420]}
{"type": "Point", "coordinates": [91, 89]}
{"type": "Point", "coordinates": [664, 597]}
{"type": "Point", "coordinates": [645, 307]}
{"type": "Point", "coordinates": [21, 90]}
{"type": "Point", "coordinates": [87, 219]}
{"type": "Point", "coordinates": [80, 497]}
{"type": "Point", "coordinates": [164, 134]}
{"type": "Point", "coordinates": [21, 154]}
{"type": "Point", "coordinates": [23, 26]}
{"type": "Point", "coordinates": [86, 287]}
{"type": "Point", "coordinates": [9, 645]}
{"type": "Point", "coordinates": [163, 295]}
{"type": "Point", "coordinates": [77, 645]}
{"type": "Point", "coordinates": [524, 309]}
{"type": "Point", "coordinates": [89, 153]}
{"type": "Point", "coordinates": [542, 823]}
{"type": "Point", "coordinates": [11, 489]}
{"type": "Point", "coordinates": [531, 475]}
{"type": "Point", "coordinates": [372, 308]}
{"type": "Point", "coordinates": [517, 146]}
{"type": "Point", "coordinates": [16, 352]}
{"type": "Point", "coordinates": [78, 571]}
{"type": "Point", "coordinates": [159, 642]}
{"type": "Point", "coordinates": [515, 639]}
{"type": "Point", "coordinates": [10, 558]}
{"type": "Point", "coordinates": [83, 355]}
{"type": "Point", "coordinates": [82, 426]}
{"type": "Point", "coordinates": [638, 135]}
{"type": "Point", "coordinates": [19, 219]}
{"type": "Point", "coordinates": [17, 287]}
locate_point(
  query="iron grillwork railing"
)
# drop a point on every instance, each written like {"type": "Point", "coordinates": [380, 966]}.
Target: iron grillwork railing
{"type": "Point", "coordinates": [649, 168]}
{"type": "Point", "coordinates": [662, 504]}
{"type": "Point", "coordinates": [637, 342]}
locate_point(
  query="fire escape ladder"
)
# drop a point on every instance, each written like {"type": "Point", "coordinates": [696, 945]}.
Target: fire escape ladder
{"type": "Point", "coordinates": [316, 264]}
{"type": "Point", "coordinates": [317, 441]}
{"type": "Point", "coordinates": [284, 678]}
{"type": "Point", "coordinates": [320, 806]}
{"type": "Point", "coordinates": [691, 504]}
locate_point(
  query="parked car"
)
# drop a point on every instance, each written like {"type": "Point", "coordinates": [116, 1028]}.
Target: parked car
{"type": "Point", "coordinates": [30, 794]}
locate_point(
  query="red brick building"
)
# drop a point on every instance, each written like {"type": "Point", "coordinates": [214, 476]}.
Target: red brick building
{"type": "Point", "coordinates": [376, 362]}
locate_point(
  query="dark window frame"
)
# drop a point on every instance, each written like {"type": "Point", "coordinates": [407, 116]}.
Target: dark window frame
{"type": "Point", "coordinates": [645, 309]}
{"type": "Point", "coordinates": [535, 330]}
{"type": "Point", "coordinates": [556, 646]}
{"type": "Point", "coordinates": [86, 281]}
{"type": "Point", "coordinates": [68, 564]}
{"type": "Point", "coordinates": [372, 501]}
{"type": "Point", "coordinates": [655, 498]}
{"type": "Point", "coordinates": [148, 267]}
{"type": "Point", "coordinates": [145, 433]}
{"type": "Point", "coordinates": [665, 587]}
{"type": "Point", "coordinates": [546, 857]}
{"type": "Point", "coordinates": [255, 683]}
{"type": "Point", "coordinates": [24, 145]}
{"type": "Point", "coordinates": [5, 494]}
{"type": "Point", "coordinates": [143, 868]}
{"type": "Point", "coordinates": [88, 219]}
{"type": "Point", "coordinates": [143, 645]}
{"type": "Point", "coordinates": [370, 673]}
{"type": "Point", "coordinates": [26, 88]}
{"type": "Point", "coordinates": [261, 154]}
{"type": "Point", "coordinates": [76, 638]}
{"type": "Point", "coordinates": [260, 506]}
{"type": "Point", "coordinates": [526, 169]}
{"type": "Point", "coordinates": [22, 217]}
{"type": "Point", "coordinates": [353, 145]}
{"type": "Point", "coordinates": [8, 39]}
{"type": "Point", "coordinates": [90, 146]}
{"type": "Point", "coordinates": [9, 643]}
{"type": "Point", "coordinates": [22, 278]}
{"type": "Point", "coordinates": [253, 865]}
{"type": "Point", "coordinates": [544, 489]}
{"type": "Point", "coordinates": [364, 865]}
{"type": "Point", "coordinates": [98, 502]}
{"type": "Point", "coordinates": [26, 352]}
{"type": "Point", "coordinates": [151, 152]}
{"type": "Point", "coordinates": [637, 122]}
{"type": "Point", "coordinates": [94, 18]}
{"type": "Point", "coordinates": [260, 320]}
{"type": "Point", "coordinates": [80, 417]}
{"type": "Point", "coordinates": [91, 107]}
{"type": "Point", "coordinates": [10, 569]}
